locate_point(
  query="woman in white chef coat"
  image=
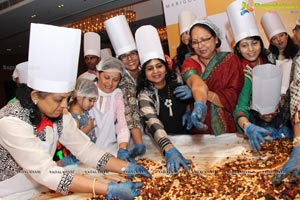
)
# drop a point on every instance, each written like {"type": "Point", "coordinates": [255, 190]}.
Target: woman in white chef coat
{"type": "Point", "coordinates": [31, 126]}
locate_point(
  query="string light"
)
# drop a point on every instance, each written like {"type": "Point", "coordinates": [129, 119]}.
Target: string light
{"type": "Point", "coordinates": [95, 23]}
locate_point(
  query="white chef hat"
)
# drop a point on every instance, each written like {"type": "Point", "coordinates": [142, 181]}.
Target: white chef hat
{"type": "Point", "coordinates": [243, 22]}
{"type": "Point", "coordinates": [53, 58]}
{"type": "Point", "coordinates": [185, 19]}
{"type": "Point", "coordinates": [22, 71]}
{"type": "Point", "coordinates": [105, 53]}
{"type": "Point", "coordinates": [151, 47]}
{"type": "Point", "coordinates": [120, 35]}
{"type": "Point", "coordinates": [266, 88]}
{"type": "Point", "coordinates": [92, 43]}
{"type": "Point", "coordinates": [272, 24]}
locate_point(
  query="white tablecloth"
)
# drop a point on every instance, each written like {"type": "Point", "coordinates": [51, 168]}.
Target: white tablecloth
{"type": "Point", "coordinates": [206, 151]}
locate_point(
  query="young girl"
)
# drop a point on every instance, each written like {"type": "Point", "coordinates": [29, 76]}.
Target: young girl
{"type": "Point", "coordinates": [85, 95]}
{"type": "Point", "coordinates": [250, 49]}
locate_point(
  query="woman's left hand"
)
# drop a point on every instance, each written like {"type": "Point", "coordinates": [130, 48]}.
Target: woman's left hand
{"type": "Point", "coordinates": [291, 167]}
{"type": "Point", "coordinates": [183, 92]}
{"type": "Point", "coordinates": [134, 170]}
{"type": "Point", "coordinates": [175, 159]}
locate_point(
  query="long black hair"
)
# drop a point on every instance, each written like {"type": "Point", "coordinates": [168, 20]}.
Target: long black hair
{"type": "Point", "coordinates": [23, 94]}
{"type": "Point", "coordinates": [290, 50]}
{"type": "Point", "coordinates": [143, 83]}
{"type": "Point", "coordinates": [264, 53]}
{"type": "Point", "coordinates": [181, 51]}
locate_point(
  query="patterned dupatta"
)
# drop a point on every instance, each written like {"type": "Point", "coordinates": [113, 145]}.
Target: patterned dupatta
{"type": "Point", "coordinates": [216, 121]}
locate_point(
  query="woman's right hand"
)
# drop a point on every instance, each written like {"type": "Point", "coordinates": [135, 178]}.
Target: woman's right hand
{"type": "Point", "coordinates": [256, 135]}
{"type": "Point", "coordinates": [199, 114]}
{"type": "Point", "coordinates": [125, 190]}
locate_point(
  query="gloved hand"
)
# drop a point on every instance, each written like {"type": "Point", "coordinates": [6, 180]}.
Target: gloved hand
{"type": "Point", "coordinates": [123, 154]}
{"type": "Point", "coordinates": [175, 159]}
{"type": "Point", "coordinates": [134, 169]}
{"type": "Point", "coordinates": [69, 160]}
{"type": "Point", "coordinates": [125, 190]}
{"type": "Point", "coordinates": [256, 135]}
{"type": "Point", "coordinates": [199, 114]}
{"type": "Point", "coordinates": [183, 92]}
{"type": "Point", "coordinates": [186, 120]}
{"type": "Point", "coordinates": [282, 132]}
{"type": "Point", "coordinates": [138, 150]}
{"type": "Point", "coordinates": [292, 166]}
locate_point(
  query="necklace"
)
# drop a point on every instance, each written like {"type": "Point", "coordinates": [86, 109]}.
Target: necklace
{"type": "Point", "coordinates": [168, 101]}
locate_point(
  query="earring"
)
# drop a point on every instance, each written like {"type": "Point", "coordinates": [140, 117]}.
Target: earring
{"type": "Point", "coordinates": [35, 102]}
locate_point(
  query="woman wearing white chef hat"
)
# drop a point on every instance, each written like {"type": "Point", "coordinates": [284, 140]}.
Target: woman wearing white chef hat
{"type": "Point", "coordinates": [184, 50]}
{"type": "Point", "coordinates": [281, 44]}
{"type": "Point", "coordinates": [250, 49]}
{"type": "Point", "coordinates": [31, 126]}
{"type": "Point", "coordinates": [161, 110]}
{"type": "Point", "coordinates": [124, 45]}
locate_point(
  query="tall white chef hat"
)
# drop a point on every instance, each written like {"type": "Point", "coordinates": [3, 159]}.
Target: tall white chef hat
{"type": "Point", "coordinates": [272, 24]}
{"type": "Point", "coordinates": [185, 19]}
{"type": "Point", "coordinates": [91, 44]}
{"type": "Point", "coordinates": [242, 20]}
{"type": "Point", "coordinates": [150, 48]}
{"type": "Point", "coordinates": [53, 58]}
{"type": "Point", "coordinates": [105, 53]}
{"type": "Point", "coordinates": [266, 88]}
{"type": "Point", "coordinates": [120, 35]}
{"type": "Point", "coordinates": [22, 70]}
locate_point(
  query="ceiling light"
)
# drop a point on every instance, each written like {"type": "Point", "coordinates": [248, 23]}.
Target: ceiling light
{"type": "Point", "coordinates": [33, 16]}
{"type": "Point", "coordinates": [60, 6]}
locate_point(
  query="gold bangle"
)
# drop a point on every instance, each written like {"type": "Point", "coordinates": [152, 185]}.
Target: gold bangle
{"type": "Point", "coordinates": [94, 182]}
{"type": "Point", "coordinates": [296, 140]}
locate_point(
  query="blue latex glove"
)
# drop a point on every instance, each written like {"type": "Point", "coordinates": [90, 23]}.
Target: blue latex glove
{"type": "Point", "coordinates": [282, 132]}
{"type": "Point", "coordinates": [69, 160]}
{"type": "Point", "coordinates": [183, 92]}
{"type": "Point", "coordinates": [199, 114]}
{"type": "Point", "coordinates": [125, 190]}
{"type": "Point", "coordinates": [134, 169]}
{"type": "Point", "coordinates": [292, 166]}
{"type": "Point", "coordinates": [138, 150]}
{"type": "Point", "coordinates": [256, 135]}
{"type": "Point", "coordinates": [175, 159]}
{"type": "Point", "coordinates": [186, 120]}
{"type": "Point", "coordinates": [123, 154]}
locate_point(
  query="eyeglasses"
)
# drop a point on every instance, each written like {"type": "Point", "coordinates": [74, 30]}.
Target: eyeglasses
{"type": "Point", "coordinates": [202, 41]}
{"type": "Point", "coordinates": [132, 54]}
